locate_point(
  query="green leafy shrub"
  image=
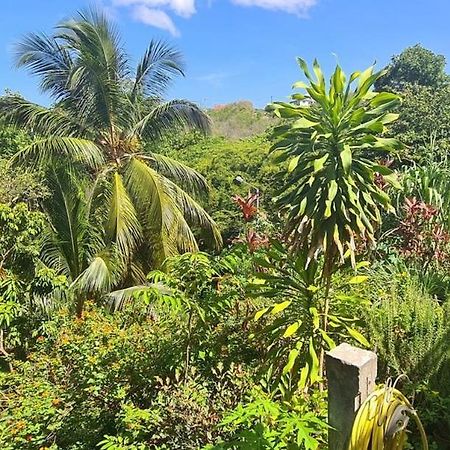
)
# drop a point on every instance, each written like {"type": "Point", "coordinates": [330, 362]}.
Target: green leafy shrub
{"type": "Point", "coordinates": [294, 335]}
{"type": "Point", "coordinates": [263, 423]}
{"type": "Point", "coordinates": [20, 238]}
{"type": "Point", "coordinates": [405, 325]}
{"type": "Point", "coordinates": [113, 373]}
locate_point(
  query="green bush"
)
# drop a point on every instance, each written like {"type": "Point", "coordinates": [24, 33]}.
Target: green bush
{"type": "Point", "coordinates": [263, 423]}
{"type": "Point", "coordinates": [405, 325]}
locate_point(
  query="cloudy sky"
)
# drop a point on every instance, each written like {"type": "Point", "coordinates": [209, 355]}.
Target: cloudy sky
{"type": "Point", "coordinates": [242, 49]}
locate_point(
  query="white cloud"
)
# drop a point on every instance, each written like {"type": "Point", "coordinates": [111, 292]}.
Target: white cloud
{"type": "Point", "coordinates": [183, 8]}
{"type": "Point", "coordinates": [156, 12]}
{"type": "Point", "coordinates": [154, 17]}
{"type": "Point", "coordinates": [299, 7]}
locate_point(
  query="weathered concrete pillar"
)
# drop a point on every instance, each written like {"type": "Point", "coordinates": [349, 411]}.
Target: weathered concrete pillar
{"type": "Point", "coordinates": [351, 374]}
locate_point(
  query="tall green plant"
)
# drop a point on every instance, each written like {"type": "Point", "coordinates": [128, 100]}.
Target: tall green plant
{"type": "Point", "coordinates": [330, 197]}
{"type": "Point", "coordinates": [294, 330]}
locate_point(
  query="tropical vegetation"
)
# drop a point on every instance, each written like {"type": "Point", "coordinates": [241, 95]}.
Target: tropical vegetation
{"type": "Point", "coordinates": [172, 277]}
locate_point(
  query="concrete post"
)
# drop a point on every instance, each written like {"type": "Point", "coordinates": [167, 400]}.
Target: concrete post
{"type": "Point", "coordinates": [351, 374]}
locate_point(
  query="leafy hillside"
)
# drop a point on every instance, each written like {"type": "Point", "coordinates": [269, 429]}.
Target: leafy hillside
{"type": "Point", "coordinates": [239, 120]}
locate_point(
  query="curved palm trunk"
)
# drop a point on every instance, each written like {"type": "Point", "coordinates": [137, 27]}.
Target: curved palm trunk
{"type": "Point", "coordinates": [80, 306]}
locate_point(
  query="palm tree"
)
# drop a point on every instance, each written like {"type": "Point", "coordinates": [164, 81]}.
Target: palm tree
{"type": "Point", "coordinates": [105, 124]}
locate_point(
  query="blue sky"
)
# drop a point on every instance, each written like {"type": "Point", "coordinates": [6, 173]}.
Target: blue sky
{"type": "Point", "coordinates": [243, 49]}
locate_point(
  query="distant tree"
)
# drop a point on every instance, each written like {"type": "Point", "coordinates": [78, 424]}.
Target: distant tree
{"type": "Point", "coordinates": [415, 65]}
{"type": "Point", "coordinates": [21, 233]}
{"type": "Point", "coordinates": [418, 75]}
{"type": "Point", "coordinates": [18, 186]}
{"type": "Point", "coordinates": [424, 123]}
{"type": "Point", "coordinates": [12, 140]}
{"type": "Point", "coordinates": [247, 158]}
{"type": "Point", "coordinates": [239, 120]}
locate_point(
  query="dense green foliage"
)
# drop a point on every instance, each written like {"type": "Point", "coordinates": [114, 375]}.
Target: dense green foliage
{"type": "Point", "coordinates": [418, 76]}
{"type": "Point", "coordinates": [221, 160]}
{"type": "Point", "coordinates": [415, 65]}
{"type": "Point", "coordinates": [117, 333]}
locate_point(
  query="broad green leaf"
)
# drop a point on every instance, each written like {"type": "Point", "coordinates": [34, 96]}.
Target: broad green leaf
{"type": "Point", "coordinates": [304, 123]}
{"type": "Point", "coordinates": [293, 163]}
{"type": "Point", "coordinates": [338, 79]}
{"type": "Point", "coordinates": [313, 288]}
{"type": "Point", "coordinates": [327, 212]}
{"type": "Point", "coordinates": [331, 344]}
{"type": "Point", "coordinates": [261, 312]}
{"type": "Point", "coordinates": [303, 376]}
{"type": "Point", "coordinates": [392, 180]}
{"type": "Point", "coordinates": [389, 118]}
{"type": "Point", "coordinates": [354, 76]}
{"type": "Point", "coordinates": [299, 85]}
{"type": "Point", "coordinates": [319, 162]}
{"type": "Point", "coordinates": [293, 354]}
{"type": "Point", "coordinates": [358, 279]}
{"type": "Point", "coordinates": [332, 190]}
{"type": "Point", "coordinates": [314, 374]}
{"type": "Point", "coordinates": [362, 264]}
{"type": "Point", "coordinates": [302, 63]}
{"type": "Point", "coordinates": [358, 337]}
{"type": "Point", "coordinates": [315, 317]}
{"type": "Point", "coordinates": [319, 75]}
{"type": "Point", "coordinates": [383, 97]}
{"type": "Point", "coordinates": [346, 158]}
{"type": "Point", "coordinates": [280, 307]}
{"type": "Point", "coordinates": [291, 329]}
{"type": "Point", "coordinates": [365, 75]}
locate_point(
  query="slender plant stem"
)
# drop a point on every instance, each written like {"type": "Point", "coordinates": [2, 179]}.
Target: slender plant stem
{"type": "Point", "coordinates": [188, 345]}
{"type": "Point", "coordinates": [326, 310]}
{"type": "Point", "coordinates": [3, 352]}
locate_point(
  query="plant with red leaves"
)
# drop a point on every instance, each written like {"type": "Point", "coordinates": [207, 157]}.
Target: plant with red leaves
{"type": "Point", "coordinates": [254, 240]}
{"type": "Point", "coordinates": [379, 179]}
{"type": "Point", "coordinates": [248, 205]}
{"type": "Point", "coordinates": [423, 237]}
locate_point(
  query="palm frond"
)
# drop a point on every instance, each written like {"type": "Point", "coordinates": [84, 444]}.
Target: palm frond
{"type": "Point", "coordinates": [45, 57]}
{"type": "Point", "coordinates": [193, 213]}
{"type": "Point", "coordinates": [164, 226]}
{"type": "Point", "coordinates": [184, 176]}
{"type": "Point", "coordinates": [51, 150]}
{"type": "Point", "coordinates": [177, 234]}
{"type": "Point", "coordinates": [169, 116]}
{"type": "Point", "coordinates": [156, 69]}
{"type": "Point", "coordinates": [145, 187]}
{"type": "Point", "coordinates": [119, 298]}
{"type": "Point", "coordinates": [38, 119]}
{"type": "Point", "coordinates": [71, 239]}
{"type": "Point", "coordinates": [99, 69]}
{"type": "Point", "coordinates": [122, 226]}
{"type": "Point", "coordinates": [99, 277]}
{"type": "Point", "coordinates": [166, 211]}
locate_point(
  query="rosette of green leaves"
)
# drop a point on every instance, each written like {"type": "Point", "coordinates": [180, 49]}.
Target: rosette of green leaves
{"type": "Point", "coordinates": [330, 140]}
